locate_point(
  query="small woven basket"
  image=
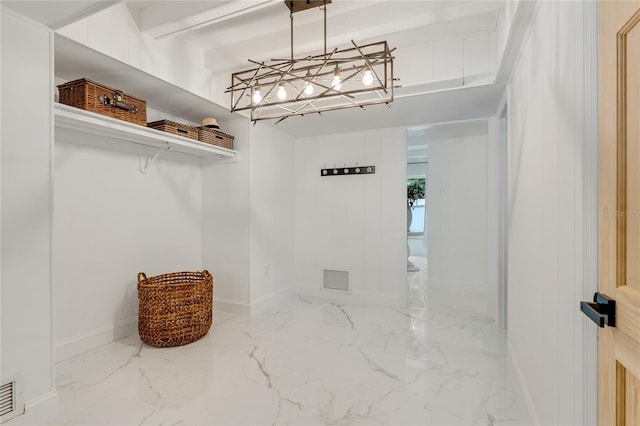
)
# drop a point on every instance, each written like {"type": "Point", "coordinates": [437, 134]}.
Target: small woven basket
{"type": "Point", "coordinates": [174, 309]}
{"type": "Point", "coordinates": [175, 128]}
{"type": "Point", "coordinates": [215, 137]}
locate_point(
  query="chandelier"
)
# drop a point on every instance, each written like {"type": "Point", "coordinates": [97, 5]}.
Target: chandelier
{"type": "Point", "coordinates": [355, 76]}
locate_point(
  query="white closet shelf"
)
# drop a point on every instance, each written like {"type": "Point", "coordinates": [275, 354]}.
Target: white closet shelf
{"type": "Point", "coordinates": [90, 123]}
{"type": "Point", "coordinates": [74, 60]}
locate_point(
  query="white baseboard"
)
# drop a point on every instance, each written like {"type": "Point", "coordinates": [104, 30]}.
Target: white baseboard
{"type": "Point", "coordinates": [95, 338]}
{"type": "Point", "coordinates": [350, 297]}
{"type": "Point", "coordinates": [38, 411]}
{"type": "Point", "coordinates": [265, 303]}
{"type": "Point", "coordinates": [476, 288]}
{"type": "Point", "coordinates": [523, 386]}
{"type": "Point", "coordinates": [231, 306]}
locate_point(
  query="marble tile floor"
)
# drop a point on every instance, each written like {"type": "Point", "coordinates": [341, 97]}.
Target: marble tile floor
{"type": "Point", "coordinates": [308, 362]}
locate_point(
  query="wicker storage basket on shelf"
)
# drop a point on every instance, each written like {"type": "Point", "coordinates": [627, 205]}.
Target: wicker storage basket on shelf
{"type": "Point", "coordinates": [174, 309]}
{"type": "Point", "coordinates": [175, 128]}
{"type": "Point", "coordinates": [215, 137]}
{"type": "Point", "coordinates": [95, 97]}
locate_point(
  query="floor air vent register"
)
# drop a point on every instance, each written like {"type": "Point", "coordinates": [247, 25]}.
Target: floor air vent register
{"type": "Point", "coordinates": [336, 280]}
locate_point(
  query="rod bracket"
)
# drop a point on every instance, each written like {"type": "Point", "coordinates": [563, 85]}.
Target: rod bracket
{"type": "Point", "coordinates": [146, 160]}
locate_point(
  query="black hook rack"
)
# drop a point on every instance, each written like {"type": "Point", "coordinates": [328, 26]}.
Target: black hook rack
{"type": "Point", "coordinates": [343, 171]}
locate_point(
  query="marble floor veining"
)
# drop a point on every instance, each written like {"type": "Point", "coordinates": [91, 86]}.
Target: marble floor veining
{"type": "Point", "coordinates": [440, 361]}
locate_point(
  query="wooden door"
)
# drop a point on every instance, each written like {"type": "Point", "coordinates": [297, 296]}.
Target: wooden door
{"type": "Point", "coordinates": [619, 346]}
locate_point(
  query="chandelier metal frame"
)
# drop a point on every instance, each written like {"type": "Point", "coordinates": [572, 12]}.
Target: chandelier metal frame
{"type": "Point", "coordinates": [350, 77]}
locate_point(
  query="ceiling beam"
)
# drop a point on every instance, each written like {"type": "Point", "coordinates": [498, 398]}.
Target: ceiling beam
{"type": "Point", "coordinates": [91, 8]}
{"type": "Point", "coordinates": [159, 21]}
{"type": "Point", "coordinates": [168, 19]}
{"type": "Point", "coordinates": [56, 14]}
{"type": "Point", "coordinates": [265, 42]}
{"type": "Point", "coordinates": [342, 25]}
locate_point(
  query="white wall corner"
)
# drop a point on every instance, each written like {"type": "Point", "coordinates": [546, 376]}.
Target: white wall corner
{"type": "Point", "coordinates": [586, 406]}
{"type": "Point", "coordinates": [493, 210]}
{"type": "Point", "coordinates": [76, 345]}
{"type": "Point", "coordinates": [230, 306]}
{"type": "Point", "coordinates": [519, 30]}
{"type": "Point", "coordinates": [524, 390]}
{"type": "Point", "coordinates": [267, 302]}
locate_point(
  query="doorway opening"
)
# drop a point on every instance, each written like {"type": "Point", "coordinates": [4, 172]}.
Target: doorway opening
{"type": "Point", "coordinates": [417, 195]}
{"type": "Point", "coordinates": [449, 227]}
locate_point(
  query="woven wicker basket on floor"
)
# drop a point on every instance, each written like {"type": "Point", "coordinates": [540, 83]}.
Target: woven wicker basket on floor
{"type": "Point", "coordinates": [174, 309]}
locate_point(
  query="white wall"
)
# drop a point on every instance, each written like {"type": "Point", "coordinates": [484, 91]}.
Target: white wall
{"type": "Point", "coordinates": [111, 221]}
{"type": "Point", "coordinates": [447, 63]}
{"type": "Point", "coordinates": [353, 223]}
{"type": "Point", "coordinates": [457, 205]}
{"type": "Point", "coordinates": [26, 196]}
{"type": "Point", "coordinates": [225, 223]}
{"type": "Point", "coordinates": [271, 212]}
{"type": "Point", "coordinates": [545, 213]}
{"type": "Point", "coordinates": [248, 219]}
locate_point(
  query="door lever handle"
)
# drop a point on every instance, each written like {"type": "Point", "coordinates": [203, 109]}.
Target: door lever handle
{"type": "Point", "coordinates": [602, 310]}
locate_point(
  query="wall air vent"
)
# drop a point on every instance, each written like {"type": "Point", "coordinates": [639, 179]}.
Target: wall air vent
{"type": "Point", "coordinates": [10, 401]}
{"type": "Point", "coordinates": [7, 398]}
{"type": "Point", "coordinates": [336, 280]}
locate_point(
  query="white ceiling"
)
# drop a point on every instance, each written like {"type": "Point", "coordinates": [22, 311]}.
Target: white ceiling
{"type": "Point", "coordinates": [439, 107]}
{"type": "Point", "coordinates": [56, 14]}
{"type": "Point", "coordinates": [230, 32]}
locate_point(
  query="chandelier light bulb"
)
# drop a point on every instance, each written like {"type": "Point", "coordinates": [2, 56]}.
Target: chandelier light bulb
{"type": "Point", "coordinates": [308, 89]}
{"type": "Point", "coordinates": [367, 78]}
{"type": "Point", "coordinates": [257, 97]}
{"type": "Point", "coordinates": [336, 83]}
{"type": "Point", "coordinates": [282, 92]}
